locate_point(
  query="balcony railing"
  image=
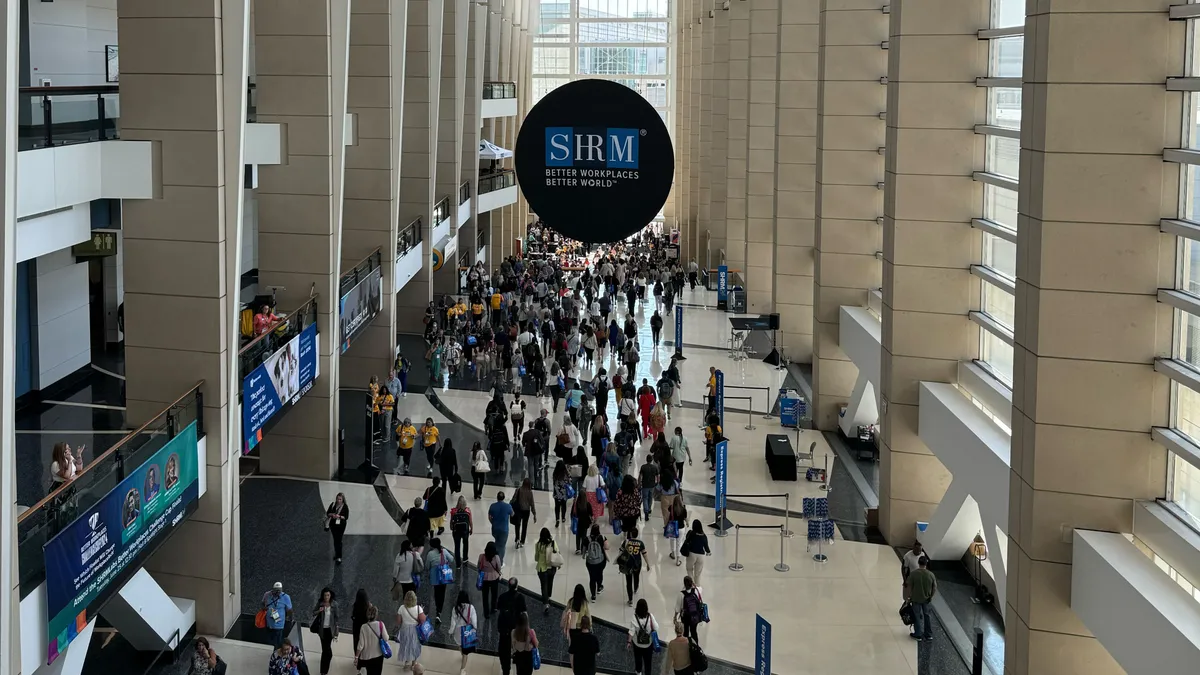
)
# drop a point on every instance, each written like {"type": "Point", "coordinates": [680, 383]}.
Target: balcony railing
{"type": "Point", "coordinates": [258, 350]}
{"type": "Point", "coordinates": [497, 180]}
{"type": "Point", "coordinates": [411, 235]}
{"type": "Point", "coordinates": [51, 116]}
{"type": "Point", "coordinates": [464, 192]}
{"type": "Point", "coordinates": [441, 211]}
{"type": "Point", "coordinates": [360, 271]}
{"type": "Point", "coordinates": [480, 239]}
{"type": "Point", "coordinates": [43, 520]}
{"type": "Point", "coordinates": [492, 90]}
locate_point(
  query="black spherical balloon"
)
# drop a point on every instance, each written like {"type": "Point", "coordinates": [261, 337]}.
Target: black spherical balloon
{"type": "Point", "coordinates": [595, 161]}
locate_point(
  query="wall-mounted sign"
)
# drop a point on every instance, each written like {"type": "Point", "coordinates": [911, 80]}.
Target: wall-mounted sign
{"type": "Point", "coordinates": [360, 305]}
{"type": "Point", "coordinates": [102, 243]}
{"type": "Point", "coordinates": [595, 160]}
{"type": "Point", "coordinates": [278, 382]}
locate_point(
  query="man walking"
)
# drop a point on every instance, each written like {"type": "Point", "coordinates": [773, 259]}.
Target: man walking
{"type": "Point", "coordinates": [500, 515]}
{"type": "Point", "coordinates": [509, 606]}
{"type": "Point", "coordinates": [278, 606]}
{"type": "Point", "coordinates": [922, 586]}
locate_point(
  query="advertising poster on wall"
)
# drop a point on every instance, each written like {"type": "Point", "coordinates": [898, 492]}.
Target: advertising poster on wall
{"type": "Point", "coordinates": [360, 305]}
{"type": "Point", "coordinates": [88, 560]}
{"type": "Point", "coordinates": [280, 381]}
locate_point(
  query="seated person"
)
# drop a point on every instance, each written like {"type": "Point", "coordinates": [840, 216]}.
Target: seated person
{"type": "Point", "coordinates": [264, 321]}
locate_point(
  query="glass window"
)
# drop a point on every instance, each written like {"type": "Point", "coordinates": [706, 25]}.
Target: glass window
{"type": "Point", "coordinates": [1004, 107]}
{"type": "Point", "coordinates": [1003, 156]}
{"type": "Point", "coordinates": [1006, 13]}
{"type": "Point", "coordinates": [997, 355]}
{"type": "Point", "coordinates": [1186, 418]}
{"type": "Point", "coordinates": [1006, 56]}
{"type": "Point", "coordinates": [624, 9]}
{"type": "Point", "coordinates": [622, 61]}
{"type": "Point", "coordinates": [641, 32]}
{"type": "Point", "coordinates": [552, 60]}
{"type": "Point", "coordinates": [1000, 255]}
{"type": "Point", "coordinates": [998, 304]}
{"type": "Point", "coordinates": [1000, 205]}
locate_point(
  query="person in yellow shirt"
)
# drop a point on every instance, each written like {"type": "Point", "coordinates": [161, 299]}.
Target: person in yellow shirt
{"type": "Point", "coordinates": [377, 429]}
{"type": "Point", "coordinates": [429, 441]}
{"type": "Point", "coordinates": [476, 312]}
{"type": "Point", "coordinates": [406, 437]}
{"type": "Point", "coordinates": [497, 300]}
{"type": "Point", "coordinates": [712, 389]}
{"type": "Point", "coordinates": [385, 404]}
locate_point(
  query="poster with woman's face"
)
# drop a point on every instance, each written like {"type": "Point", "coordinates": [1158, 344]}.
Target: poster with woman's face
{"type": "Point", "coordinates": [172, 471]}
{"type": "Point", "coordinates": [284, 369]}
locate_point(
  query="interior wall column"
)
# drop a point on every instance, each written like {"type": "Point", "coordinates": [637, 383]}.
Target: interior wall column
{"type": "Point", "coordinates": [10, 586]}
{"type": "Point", "coordinates": [760, 166]}
{"type": "Point", "coordinates": [473, 103]}
{"type": "Point", "coordinates": [737, 106]}
{"type": "Point", "coordinates": [717, 95]}
{"type": "Point", "coordinates": [695, 71]}
{"type": "Point", "coordinates": [930, 199]}
{"type": "Point", "coordinates": [851, 100]}
{"type": "Point", "coordinates": [418, 157]}
{"type": "Point", "coordinates": [795, 175]}
{"type": "Point", "coordinates": [683, 134]}
{"type": "Point", "coordinates": [704, 104]}
{"type": "Point", "coordinates": [372, 172]}
{"type": "Point", "coordinates": [184, 89]}
{"type": "Point", "coordinates": [451, 113]}
{"type": "Point", "coordinates": [301, 58]}
{"type": "Point", "coordinates": [1093, 187]}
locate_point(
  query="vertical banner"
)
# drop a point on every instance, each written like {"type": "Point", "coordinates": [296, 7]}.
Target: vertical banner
{"type": "Point", "coordinates": [762, 646]}
{"type": "Point", "coordinates": [360, 305]}
{"type": "Point", "coordinates": [277, 383]}
{"type": "Point", "coordinates": [722, 451]}
{"type": "Point", "coordinates": [678, 332]}
{"type": "Point", "coordinates": [719, 406]}
{"type": "Point", "coordinates": [723, 287]}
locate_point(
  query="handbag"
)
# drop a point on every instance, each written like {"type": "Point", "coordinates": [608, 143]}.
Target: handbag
{"type": "Point", "coordinates": [601, 495]}
{"type": "Point", "coordinates": [260, 619]}
{"type": "Point", "coordinates": [574, 524]}
{"type": "Point", "coordinates": [537, 659]}
{"type": "Point", "coordinates": [556, 558]}
{"type": "Point", "coordinates": [906, 613]}
{"type": "Point", "coordinates": [221, 668]}
{"type": "Point", "coordinates": [616, 525]}
{"type": "Point", "coordinates": [383, 643]}
{"type": "Point", "coordinates": [655, 643]}
{"type": "Point", "coordinates": [570, 491]}
{"type": "Point", "coordinates": [443, 574]}
{"type": "Point", "coordinates": [671, 530]}
{"type": "Point", "coordinates": [479, 581]}
{"type": "Point", "coordinates": [315, 627]}
{"type": "Point", "coordinates": [469, 636]}
{"type": "Point", "coordinates": [699, 658]}
{"type": "Point", "coordinates": [424, 630]}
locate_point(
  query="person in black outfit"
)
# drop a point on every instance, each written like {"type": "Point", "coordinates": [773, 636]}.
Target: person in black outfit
{"type": "Point", "coordinates": [436, 507]}
{"type": "Point", "coordinates": [358, 614]}
{"type": "Point", "coordinates": [584, 648]}
{"type": "Point", "coordinates": [335, 521]}
{"type": "Point", "coordinates": [447, 460]}
{"type": "Point", "coordinates": [509, 606]}
{"type": "Point", "coordinates": [326, 626]}
{"type": "Point", "coordinates": [656, 325]}
{"type": "Point", "coordinates": [497, 441]}
{"type": "Point", "coordinates": [418, 524]}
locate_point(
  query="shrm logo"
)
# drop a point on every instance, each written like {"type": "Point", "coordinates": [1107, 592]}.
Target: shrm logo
{"type": "Point", "coordinates": [94, 521]}
{"type": "Point", "coordinates": [592, 147]}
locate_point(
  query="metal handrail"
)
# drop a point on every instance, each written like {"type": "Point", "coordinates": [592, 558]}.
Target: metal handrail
{"type": "Point", "coordinates": [410, 236]}
{"type": "Point", "coordinates": [114, 449]}
{"type": "Point", "coordinates": [71, 90]}
{"type": "Point", "coordinates": [174, 638]}
{"type": "Point", "coordinates": [99, 124]}
{"type": "Point", "coordinates": [464, 192]}
{"type": "Point", "coordinates": [494, 90]}
{"type": "Point", "coordinates": [351, 277]}
{"type": "Point", "coordinates": [497, 181]}
{"type": "Point", "coordinates": [286, 319]}
{"type": "Point", "coordinates": [259, 349]}
{"type": "Point", "coordinates": [441, 210]}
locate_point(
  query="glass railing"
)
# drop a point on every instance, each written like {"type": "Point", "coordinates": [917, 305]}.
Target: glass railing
{"type": "Point", "coordinates": [411, 235]}
{"type": "Point", "coordinates": [480, 239]}
{"type": "Point", "coordinates": [43, 520]}
{"type": "Point", "coordinates": [464, 192]}
{"type": "Point", "coordinates": [359, 272]}
{"type": "Point", "coordinates": [496, 180]}
{"type": "Point", "coordinates": [441, 211]}
{"type": "Point", "coordinates": [50, 116]}
{"type": "Point", "coordinates": [288, 326]}
{"type": "Point", "coordinates": [499, 90]}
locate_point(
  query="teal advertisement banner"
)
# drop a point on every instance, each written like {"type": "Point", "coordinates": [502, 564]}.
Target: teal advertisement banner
{"type": "Point", "coordinates": [85, 562]}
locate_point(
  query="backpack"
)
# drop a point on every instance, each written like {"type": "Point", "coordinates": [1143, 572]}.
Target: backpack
{"type": "Point", "coordinates": [666, 389]}
{"type": "Point", "coordinates": [691, 607]}
{"type": "Point", "coordinates": [460, 522]}
{"type": "Point", "coordinates": [595, 552]}
{"type": "Point", "coordinates": [698, 657]}
{"type": "Point", "coordinates": [643, 633]}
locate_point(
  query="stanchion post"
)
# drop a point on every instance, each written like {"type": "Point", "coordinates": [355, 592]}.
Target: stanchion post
{"type": "Point", "coordinates": [737, 566]}
{"type": "Point", "coordinates": [721, 524]}
{"type": "Point", "coordinates": [820, 557]}
{"type": "Point", "coordinates": [750, 416]}
{"type": "Point", "coordinates": [782, 566]}
{"type": "Point", "coordinates": [787, 511]}
{"type": "Point", "coordinates": [825, 485]}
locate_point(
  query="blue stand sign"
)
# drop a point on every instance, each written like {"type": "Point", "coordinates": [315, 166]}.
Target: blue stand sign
{"type": "Point", "coordinates": [678, 332]}
{"type": "Point", "coordinates": [722, 452]}
{"type": "Point", "coordinates": [719, 406]}
{"type": "Point", "coordinates": [723, 287]}
{"type": "Point", "coordinates": [762, 646]}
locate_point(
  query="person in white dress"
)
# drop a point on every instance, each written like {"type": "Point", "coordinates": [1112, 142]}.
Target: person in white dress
{"type": "Point", "coordinates": [408, 644]}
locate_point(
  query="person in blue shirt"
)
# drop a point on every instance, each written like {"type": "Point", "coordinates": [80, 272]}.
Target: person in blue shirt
{"type": "Point", "coordinates": [574, 402]}
{"type": "Point", "coordinates": [403, 365]}
{"type": "Point", "coordinates": [500, 514]}
{"type": "Point", "coordinates": [278, 606]}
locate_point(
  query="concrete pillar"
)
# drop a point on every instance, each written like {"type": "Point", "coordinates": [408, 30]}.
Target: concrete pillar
{"type": "Point", "coordinates": [183, 88]}
{"type": "Point", "coordinates": [717, 97]}
{"type": "Point", "coordinates": [451, 108]}
{"type": "Point", "coordinates": [301, 53]}
{"type": "Point", "coordinates": [934, 57]}
{"type": "Point", "coordinates": [473, 99]}
{"type": "Point", "coordinates": [760, 154]}
{"type": "Point", "coordinates": [795, 175]}
{"type": "Point", "coordinates": [372, 173]}
{"type": "Point", "coordinates": [10, 587]}
{"type": "Point", "coordinates": [1093, 186]}
{"type": "Point", "coordinates": [850, 137]}
{"type": "Point", "coordinates": [704, 96]}
{"type": "Point", "coordinates": [705, 248]}
{"type": "Point", "coordinates": [683, 134]}
{"type": "Point", "coordinates": [418, 157]}
{"type": "Point", "coordinates": [737, 125]}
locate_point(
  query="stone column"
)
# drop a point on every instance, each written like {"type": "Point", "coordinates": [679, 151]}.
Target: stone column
{"type": "Point", "coordinates": [717, 96]}
{"type": "Point", "coordinates": [737, 109]}
{"type": "Point", "coordinates": [850, 138]}
{"type": "Point", "coordinates": [301, 53]}
{"type": "Point", "coordinates": [10, 586]}
{"type": "Point", "coordinates": [473, 97]}
{"type": "Point", "coordinates": [451, 109]}
{"type": "Point", "coordinates": [695, 69]}
{"type": "Point", "coordinates": [934, 57]}
{"type": "Point", "coordinates": [795, 175]}
{"type": "Point", "coordinates": [704, 103]}
{"type": "Point", "coordinates": [1093, 187]}
{"type": "Point", "coordinates": [760, 167]}
{"type": "Point", "coordinates": [371, 176]}
{"type": "Point", "coordinates": [184, 78]}
{"type": "Point", "coordinates": [683, 133]}
{"type": "Point", "coordinates": [418, 157]}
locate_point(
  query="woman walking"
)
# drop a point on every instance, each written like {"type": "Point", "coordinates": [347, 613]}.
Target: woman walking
{"type": "Point", "coordinates": [689, 608]}
{"type": "Point", "coordinates": [562, 483]}
{"type": "Point", "coordinates": [408, 565]}
{"type": "Point", "coordinates": [596, 560]}
{"type": "Point", "coordinates": [523, 505]}
{"type": "Point", "coordinates": [464, 627]}
{"type": "Point", "coordinates": [335, 521]}
{"type": "Point", "coordinates": [489, 565]}
{"type": "Point", "coordinates": [544, 553]}
{"type": "Point", "coordinates": [447, 460]}
{"type": "Point", "coordinates": [479, 469]}
{"type": "Point", "coordinates": [524, 641]}
{"type": "Point", "coordinates": [627, 505]}
{"type": "Point", "coordinates": [577, 608]}
{"type": "Point", "coordinates": [408, 643]}
{"type": "Point", "coordinates": [582, 511]}
{"type": "Point", "coordinates": [358, 613]}
{"type": "Point", "coordinates": [368, 655]}
{"type": "Point", "coordinates": [679, 654]}
{"type": "Point", "coordinates": [462, 526]}
{"type": "Point", "coordinates": [591, 487]}
{"type": "Point", "coordinates": [695, 548]}
{"type": "Point", "coordinates": [325, 625]}
{"type": "Point", "coordinates": [674, 525]}
{"type": "Point", "coordinates": [667, 489]}
{"type": "Point", "coordinates": [642, 629]}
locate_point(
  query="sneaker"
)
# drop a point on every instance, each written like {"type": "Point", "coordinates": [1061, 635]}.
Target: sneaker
{"type": "Point", "coordinates": [437, 620]}
{"type": "Point", "coordinates": [629, 603]}
{"type": "Point", "coordinates": [914, 636]}
{"type": "Point", "coordinates": [928, 639]}
{"type": "Point", "coordinates": [672, 556]}
{"type": "Point", "coordinates": [593, 598]}
{"type": "Point", "coordinates": [678, 562]}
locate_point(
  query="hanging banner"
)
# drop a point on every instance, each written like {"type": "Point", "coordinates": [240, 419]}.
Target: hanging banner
{"type": "Point", "coordinates": [762, 646]}
{"type": "Point", "coordinates": [92, 557]}
{"type": "Point", "coordinates": [278, 382]}
{"type": "Point", "coordinates": [594, 160]}
{"type": "Point", "coordinates": [360, 305]}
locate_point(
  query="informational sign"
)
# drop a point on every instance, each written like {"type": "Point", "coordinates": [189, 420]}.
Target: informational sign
{"type": "Point", "coordinates": [674, 236]}
{"type": "Point", "coordinates": [278, 382]}
{"type": "Point", "coordinates": [762, 646]}
{"type": "Point", "coordinates": [360, 305]}
{"type": "Point", "coordinates": [594, 160]}
{"type": "Point", "coordinates": [723, 287]}
{"type": "Point", "coordinates": [92, 557]}
{"type": "Point", "coordinates": [678, 330]}
{"type": "Point", "coordinates": [102, 243]}
{"type": "Point", "coordinates": [722, 452]}
{"type": "Point", "coordinates": [719, 406]}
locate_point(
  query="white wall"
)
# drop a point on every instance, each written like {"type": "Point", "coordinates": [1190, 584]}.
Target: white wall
{"type": "Point", "coordinates": [63, 320]}
{"type": "Point", "coordinates": [56, 178]}
{"type": "Point", "coordinates": [498, 107]}
{"type": "Point", "coordinates": [66, 44]}
{"type": "Point", "coordinates": [41, 235]}
{"type": "Point", "coordinates": [249, 231]}
{"type": "Point", "coordinates": [497, 199]}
